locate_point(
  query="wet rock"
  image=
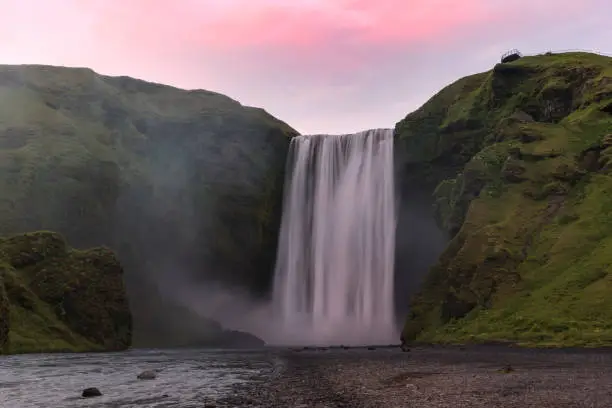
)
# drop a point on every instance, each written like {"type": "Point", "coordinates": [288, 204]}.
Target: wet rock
{"type": "Point", "coordinates": [147, 375]}
{"type": "Point", "coordinates": [454, 307]}
{"type": "Point", "coordinates": [506, 369]}
{"type": "Point", "coordinates": [513, 170]}
{"type": "Point", "coordinates": [371, 348]}
{"type": "Point", "coordinates": [91, 392]}
{"type": "Point", "coordinates": [529, 136]}
{"type": "Point", "coordinates": [521, 116]}
{"type": "Point", "coordinates": [568, 172]}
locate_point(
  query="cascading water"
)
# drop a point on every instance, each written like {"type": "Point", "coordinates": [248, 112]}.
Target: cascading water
{"type": "Point", "coordinates": [333, 281]}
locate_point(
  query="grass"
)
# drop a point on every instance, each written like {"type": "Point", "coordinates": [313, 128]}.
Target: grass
{"type": "Point", "coordinates": [60, 299]}
{"type": "Point", "coordinates": [134, 165]}
{"type": "Point", "coordinates": [531, 260]}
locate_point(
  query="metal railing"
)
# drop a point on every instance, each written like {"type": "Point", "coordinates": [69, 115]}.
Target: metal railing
{"type": "Point", "coordinates": [511, 52]}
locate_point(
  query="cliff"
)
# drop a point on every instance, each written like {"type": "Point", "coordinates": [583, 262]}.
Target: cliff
{"type": "Point", "coordinates": [184, 185]}
{"type": "Point", "coordinates": [519, 163]}
{"type": "Point", "coordinates": [54, 298]}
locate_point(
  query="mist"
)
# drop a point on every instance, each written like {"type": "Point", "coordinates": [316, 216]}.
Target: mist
{"type": "Point", "coordinates": [419, 243]}
{"type": "Point", "coordinates": [419, 240]}
{"type": "Point", "coordinates": [169, 228]}
{"type": "Point", "coordinates": [186, 187]}
{"type": "Point", "coordinates": [185, 235]}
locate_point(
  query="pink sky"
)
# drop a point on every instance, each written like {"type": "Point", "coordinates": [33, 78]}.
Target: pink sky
{"type": "Point", "coordinates": [321, 65]}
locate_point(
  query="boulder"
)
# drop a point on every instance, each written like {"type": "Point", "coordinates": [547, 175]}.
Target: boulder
{"type": "Point", "coordinates": [77, 298]}
{"type": "Point", "coordinates": [147, 375]}
{"type": "Point", "coordinates": [91, 392]}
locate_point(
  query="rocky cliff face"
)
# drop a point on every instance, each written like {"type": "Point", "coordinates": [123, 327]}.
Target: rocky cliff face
{"type": "Point", "coordinates": [518, 161]}
{"type": "Point", "coordinates": [54, 298]}
{"type": "Point", "coordinates": [185, 185]}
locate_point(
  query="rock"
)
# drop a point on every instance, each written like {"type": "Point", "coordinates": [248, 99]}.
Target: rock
{"type": "Point", "coordinates": [568, 172]}
{"type": "Point", "coordinates": [529, 137]}
{"type": "Point", "coordinates": [77, 296]}
{"type": "Point", "coordinates": [513, 170]}
{"type": "Point", "coordinates": [371, 348]}
{"type": "Point", "coordinates": [522, 116]}
{"type": "Point", "coordinates": [515, 153]}
{"type": "Point", "coordinates": [510, 57]}
{"type": "Point", "coordinates": [506, 369]}
{"type": "Point", "coordinates": [547, 89]}
{"type": "Point", "coordinates": [134, 165]}
{"type": "Point", "coordinates": [412, 387]}
{"type": "Point", "coordinates": [147, 375]}
{"type": "Point", "coordinates": [91, 392]}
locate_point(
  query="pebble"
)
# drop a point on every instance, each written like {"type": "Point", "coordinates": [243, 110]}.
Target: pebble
{"type": "Point", "coordinates": [435, 378]}
{"type": "Point", "coordinates": [147, 375]}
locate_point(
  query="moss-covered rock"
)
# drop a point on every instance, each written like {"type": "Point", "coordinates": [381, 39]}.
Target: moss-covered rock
{"type": "Point", "coordinates": [182, 184]}
{"type": "Point", "coordinates": [517, 158]}
{"type": "Point", "coordinates": [55, 298]}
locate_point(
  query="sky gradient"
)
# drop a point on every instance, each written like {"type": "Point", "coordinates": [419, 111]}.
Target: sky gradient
{"type": "Point", "coordinates": [323, 66]}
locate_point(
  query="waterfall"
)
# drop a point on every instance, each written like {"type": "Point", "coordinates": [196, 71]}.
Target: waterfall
{"type": "Point", "coordinates": [333, 280]}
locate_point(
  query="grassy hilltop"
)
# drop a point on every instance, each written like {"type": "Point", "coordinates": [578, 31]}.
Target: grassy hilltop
{"type": "Point", "coordinates": [519, 160]}
{"type": "Point", "coordinates": [184, 185]}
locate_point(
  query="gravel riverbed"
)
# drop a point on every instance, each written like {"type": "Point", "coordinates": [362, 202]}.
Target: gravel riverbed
{"type": "Point", "coordinates": [432, 377]}
{"type": "Point", "coordinates": [425, 377]}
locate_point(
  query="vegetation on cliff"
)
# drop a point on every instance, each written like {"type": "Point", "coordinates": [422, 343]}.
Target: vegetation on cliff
{"type": "Point", "coordinates": [184, 185]}
{"type": "Point", "coordinates": [54, 298]}
{"type": "Point", "coordinates": [520, 162]}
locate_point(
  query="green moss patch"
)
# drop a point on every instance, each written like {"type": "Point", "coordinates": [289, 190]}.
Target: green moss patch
{"type": "Point", "coordinates": [59, 299]}
{"type": "Point", "coordinates": [529, 209]}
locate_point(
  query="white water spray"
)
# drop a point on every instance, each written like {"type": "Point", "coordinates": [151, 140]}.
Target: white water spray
{"type": "Point", "coordinates": [333, 281]}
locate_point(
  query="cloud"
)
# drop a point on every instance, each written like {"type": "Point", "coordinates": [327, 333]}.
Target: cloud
{"type": "Point", "coordinates": [304, 26]}
{"type": "Point", "coordinates": [318, 64]}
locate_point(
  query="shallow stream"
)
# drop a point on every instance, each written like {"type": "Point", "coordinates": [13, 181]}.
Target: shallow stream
{"type": "Point", "coordinates": [185, 378]}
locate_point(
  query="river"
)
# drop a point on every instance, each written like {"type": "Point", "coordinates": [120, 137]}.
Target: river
{"type": "Point", "coordinates": [186, 378]}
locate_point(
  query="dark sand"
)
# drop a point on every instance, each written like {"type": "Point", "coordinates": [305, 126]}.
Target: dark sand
{"type": "Point", "coordinates": [432, 377]}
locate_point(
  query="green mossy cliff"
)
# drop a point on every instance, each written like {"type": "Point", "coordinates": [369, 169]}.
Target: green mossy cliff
{"type": "Point", "coordinates": [185, 185]}
{"type": "Point", "coordinates": [54, 298]}
{"type": "Point", "coordinates": [519, 160]}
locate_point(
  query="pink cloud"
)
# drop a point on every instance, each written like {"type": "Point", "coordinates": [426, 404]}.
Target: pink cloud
{"type": "Point", "coordinates": [323, 57]}
{"type": "Point", "coordinates": [299, 23]}
{"type": "Point", "coordinates": [217, 41]}
{"type": "Point", "coordinates": [297, 27]}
